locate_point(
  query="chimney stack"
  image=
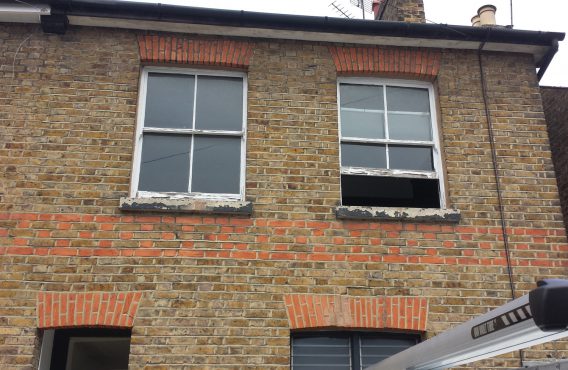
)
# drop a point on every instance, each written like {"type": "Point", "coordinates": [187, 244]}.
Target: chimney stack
{"type": "Point", "coordinates": [485, 17]}
{"type": "Point", "coordinates": [399, 10]}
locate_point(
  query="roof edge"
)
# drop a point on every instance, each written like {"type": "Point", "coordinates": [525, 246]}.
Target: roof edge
{"type": "Point", "coordinates": [175, 18]}
{"type": "Point", "coordinates": [235, 18]}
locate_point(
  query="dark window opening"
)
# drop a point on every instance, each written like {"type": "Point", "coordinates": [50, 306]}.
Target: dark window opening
{"type": "Point", "coordinates": [376, 191]}
{"type": "Point", "coordinates": [346, 350]}
{"type": "Point", "coordinates": [90, 349]}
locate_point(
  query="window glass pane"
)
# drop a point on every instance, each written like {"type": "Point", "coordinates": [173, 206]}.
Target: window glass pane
{"type": "Point", "coordinates": [164, 166]}
{"type": "Point", "coordinates": [361, 96]}
{"type": "Point", "coordinates": [358, 123]}
{"type": "Point", "coordinates": [169, 101]}
{"type": "Point", "coordinates": [321, 352]}
{"type": "Point", "coordinates": [98, 353]}
{"type": "Point", "coordinates": [410, 127]}
{"type": "Point", "coordinates": [219, 103]}
{"type": "Point", "coordinates": [407, 99]}
{"type": "Point", "coordinates": [363, 155]}
{"type": "Point", "coordinates": [411, 158]}
{"type": "Point", "coordinates": [216, 165]}
{"type": "Point", "coordinates": [375, 349]}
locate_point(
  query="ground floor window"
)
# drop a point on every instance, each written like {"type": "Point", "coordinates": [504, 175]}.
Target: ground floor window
{"type": "Point", "coordinates": [85, 349]}
{"type": "Point", "coordinates": [346, 350]}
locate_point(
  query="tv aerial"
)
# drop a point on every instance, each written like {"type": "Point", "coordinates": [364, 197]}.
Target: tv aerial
{"type": "Point", "coordinates": [366, 6]}
{"type": "Point", "coordinates": [340, 9]}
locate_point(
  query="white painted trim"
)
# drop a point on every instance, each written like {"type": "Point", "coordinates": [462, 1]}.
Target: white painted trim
{"type": "Point", "coordinates": [140, 130]}
{"type": "Point", "coordinates": [140, 113]}
{"type": "Point", "coordinates": [434, 128]}
{"type": "Point", "coordinates": [437, 149]}
{"type": "Point", "coordinates": [192, 147]}
{"type": "Point", "coordinates": [364, 110]}
{"type": "Point", "coordinates": [244, 137]}
{"type": "Point", "coordinates": [386, 124]}
{"type": "Point", "coordinates": [194, 71]}
{"type": "Point", "coordinates": [190, 171]}
{"type": "Point", "coordinates": [173, 195]}
{"type": "Point", "coordinates": [414, 174]}
{"type": "Point", "coordinates": [383, 81]}
{"type": "Point", "coordinates": [355, 140]}
{"type": "Point", "coordinates": [339, 135]}
{"type": "Point", "coordinates": [46, 349]}
{"type": "Point", "coordinates": [188, 131]}
{"type": "Point", "coordinates": [409, 113]}
{"type": "Point", "coordinates": [537, 51]}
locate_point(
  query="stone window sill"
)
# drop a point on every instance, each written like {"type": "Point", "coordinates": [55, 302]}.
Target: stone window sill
{"type": "Point", "coordinates": [186, 205]}
{"type": "Point", "coordinates": [423, 215]}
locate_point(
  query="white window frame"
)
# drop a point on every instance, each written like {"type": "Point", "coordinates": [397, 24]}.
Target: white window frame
{"type": "Point", "coordinates": [355, 342]}
{"type": "Point", "coordinates": [434, 143]}
{"type": "Point", "coordinates": [140, 130]}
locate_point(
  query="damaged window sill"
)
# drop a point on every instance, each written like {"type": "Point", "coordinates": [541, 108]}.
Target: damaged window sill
{"type": "Point", "coordinates": [425, 215]}
{"type": "Point", "coordinates": [186, 205]}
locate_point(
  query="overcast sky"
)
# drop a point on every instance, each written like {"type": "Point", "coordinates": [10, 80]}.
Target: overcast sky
{"type": "Point", "coordinates": [544, 15]}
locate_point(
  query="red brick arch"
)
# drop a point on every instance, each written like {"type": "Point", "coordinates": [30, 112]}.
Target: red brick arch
{"type": "Point", "coordinates": [91, 309]}
{"type": "Point", "coordinates": [182, 50]}
{"type": "Point", "coordinates": [332, 311]}
{"type": "Point", "coordinates": [417, 63]}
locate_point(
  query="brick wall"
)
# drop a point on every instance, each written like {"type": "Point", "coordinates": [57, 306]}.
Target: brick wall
{"type": "Point", "coordinates": [214, 288]}
{"type": "Point", "coordinates": [401, 11]}
{"type": "Point", "coordinates": [555, 102]}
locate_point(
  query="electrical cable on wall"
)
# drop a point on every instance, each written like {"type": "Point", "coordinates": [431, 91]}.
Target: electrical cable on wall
{"type": "Point", "coordinates": [497, 177]}
{"type": "Point", "coordinates": [18, 51]}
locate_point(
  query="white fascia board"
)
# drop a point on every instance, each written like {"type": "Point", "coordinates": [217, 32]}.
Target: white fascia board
{"type": "Point", "coordinates": [22, 13]}
{"type": "Point", "coordinates": [265, 33]}
{"type": "Point", "coordinates": [536, 51]}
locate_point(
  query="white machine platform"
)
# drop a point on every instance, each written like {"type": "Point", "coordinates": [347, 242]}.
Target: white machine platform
{"type": "Point", "coordinates": [538, 317]}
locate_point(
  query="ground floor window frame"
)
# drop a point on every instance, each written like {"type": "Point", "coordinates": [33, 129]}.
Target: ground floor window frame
{"type": "Point", "coordinates": [357, 359]}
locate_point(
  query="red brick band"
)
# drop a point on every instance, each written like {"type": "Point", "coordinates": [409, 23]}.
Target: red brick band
{"type": "Point", "coordinates": [99, 309]}
{"type": "Point", "coordinates": [331, 311]}
{"type": "Point", "coordinates": [84, 235]}
{"type": "Point", "coordinates": [172, 49]}
{"type": "Point", "coordinates": [421, 64]}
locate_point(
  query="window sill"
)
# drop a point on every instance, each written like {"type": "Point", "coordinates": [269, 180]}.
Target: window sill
{"type": "Point", "coordinates": [424, 215]}
{"type": "Point", "coordinates": [186, 205]}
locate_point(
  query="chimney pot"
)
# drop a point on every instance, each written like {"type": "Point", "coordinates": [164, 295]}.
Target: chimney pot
{"type": "Point", "coordinates": [475, 22]}
{"type": "Point", "coordinates": [375, 8]}
{"type": "Point", "coordinates": [487, 15]}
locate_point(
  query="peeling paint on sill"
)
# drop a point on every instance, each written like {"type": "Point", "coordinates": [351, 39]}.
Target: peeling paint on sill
{"type": "Point", "coordinates": [229, 207]}
{"type": "Point", "coordinates": [426, 215]}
